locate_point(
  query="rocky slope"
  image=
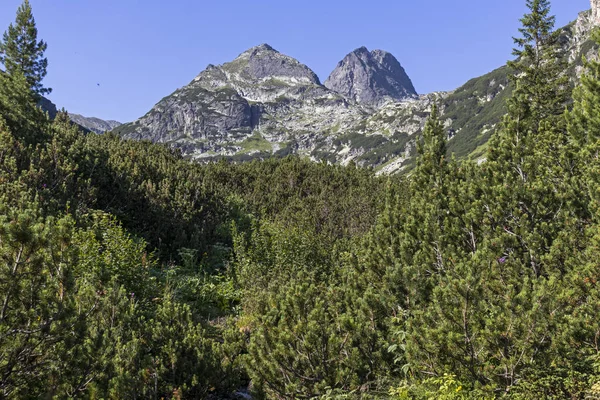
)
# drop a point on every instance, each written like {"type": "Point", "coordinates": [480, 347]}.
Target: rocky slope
{"type": "Point", "coordinates": [371, 78]}
{"type": "Point", "coordinates": [261, 102]}
{"type": "Point", "coordinates": [265, 103]}
{"type": "Point", "coordinates": [89, 124]}
{"type": "Point", "coordinates": [93, 124]}
{"type": "Point", "coordinates": [48, 107]}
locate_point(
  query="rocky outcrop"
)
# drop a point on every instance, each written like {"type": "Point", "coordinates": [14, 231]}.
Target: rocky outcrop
{"type": "Point", "coordinates": [371, 78]}
{"type": "Point", "coordinates": [93, 124]}
{"type": "Point", "coordinates": [48, 107]}
{"type": "Point", "coordinates": [576, 41]}
{"type": "Point", "coordinates": [261, 101]}
{"type": "Point", "coordinates": [595, 11]}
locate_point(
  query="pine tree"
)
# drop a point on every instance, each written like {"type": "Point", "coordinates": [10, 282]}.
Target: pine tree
{"type": "Point", "coordinates": [583, 294]}
{"type": "Point", "coordinates": [530, 154]}
{"type": "Point", "coordinates": [488, 247]}
{"type": "Point", "coordinates": [542, 88]}
{"type": "Point", "coordinates": [18, 107]}
{"type": "Point", "coordinates": [21, 51]}
{"type": "Point", "coordinates": [584, 128]}
{"type": "Point", "coordinates": [423, 222]}
{"type": "Point", "coordinates": [530, 207]}
{"type": "Point", "coordinates": [432, 161]}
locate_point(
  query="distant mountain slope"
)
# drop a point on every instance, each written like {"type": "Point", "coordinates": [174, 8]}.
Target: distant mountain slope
{"type": "Point", "coordinates": [265, 103]}
{"type": "Point", "coordinates": [93, 124]}
{"type": "Point", "coordinates": [90, 124]}
{"type": "Point", "coordinates": [473, 111]}
{"type": "Point", "coordinates": [477, 107]}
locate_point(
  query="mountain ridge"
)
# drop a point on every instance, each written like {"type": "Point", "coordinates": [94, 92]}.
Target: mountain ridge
{"type": "Point", "coordinates": [265, 103]}
{"type": "Point", "coordinates": [88, 124]}
{"type": "Point", "coordinates": [93, 124]}
{"type": "Point", "coordinates": [261, 100]}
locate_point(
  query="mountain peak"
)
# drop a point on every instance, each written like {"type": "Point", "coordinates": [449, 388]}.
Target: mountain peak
{"type": "Point", "coordinates": [261, 48]}
{"type": "Point", "coordinates": [93, 124]}
{"type": "Point", "coordinates": [264, 62]}
{"type": "Point", "coordinates": [361, 50]}
{"type": "Point", "coordinates": [266, 47]}
{"type": "Point", "coordinates": [371, 77]}
{"type": "Point", "coordinates": [382, 54]}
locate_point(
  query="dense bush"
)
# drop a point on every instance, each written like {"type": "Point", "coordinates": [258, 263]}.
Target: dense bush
{"type": "Point", "coordinates": [127, 271]}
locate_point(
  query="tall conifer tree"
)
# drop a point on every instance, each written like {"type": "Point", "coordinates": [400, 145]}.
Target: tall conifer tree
{"type": "Point", "coordinates": [541, 87]}
{"type": "Point", "coordinates": [20, 50]}
{"type": "Point", "coordinates": [529, 205]}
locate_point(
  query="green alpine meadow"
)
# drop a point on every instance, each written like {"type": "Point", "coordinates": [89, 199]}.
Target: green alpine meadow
{"type": "Point", "coordinates": [260, 235]}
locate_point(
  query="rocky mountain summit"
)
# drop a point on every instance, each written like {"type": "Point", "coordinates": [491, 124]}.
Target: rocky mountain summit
{"type": "Point", "coordinates": [371, 78]}
{"type": "Point", "coordinates": [263, 101]}
{"type": "Point", "coordinates": [265, 104]}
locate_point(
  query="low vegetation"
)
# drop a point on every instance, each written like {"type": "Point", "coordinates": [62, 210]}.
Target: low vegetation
{"type": "Point", "coordinates": [127, 271]}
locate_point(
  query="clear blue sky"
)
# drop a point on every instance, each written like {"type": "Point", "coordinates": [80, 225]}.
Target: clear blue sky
{"type": "Point", "coordinates": [142, 50]}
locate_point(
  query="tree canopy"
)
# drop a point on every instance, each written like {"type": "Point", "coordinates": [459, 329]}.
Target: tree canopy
{"type": "Point", "coordinates": [128, 271]}
{"type": "Point", "coordinates": [22, 53]}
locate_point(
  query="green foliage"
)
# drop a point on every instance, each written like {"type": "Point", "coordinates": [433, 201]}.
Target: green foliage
{"type": "Point", "coordinates": [18, 107]}
{"type": "Point", "coordinates": [584, 127]}
{"type": "Point", "coordinates": [552, 383]}
{"type": "Point", "coordinates": [138, 324]}
{"type": "Point", "coordinates": [153, 192]}
{"type": "Point", "coordinates": [108, 255]}
{"type": "Point", "coordinates": [256, 143]}
{"type": "Point", "coordinates": [127, 271]}
{"type": "Point", "coordinates": [37, 301]}
{"type": "Point", "coordinates": [21, 53]}
{"type": "Point", "coordinates": [209, 294]}
{"type": "Point", "coordinates": [167, 355]}
{"type": "Point", "coordinates": [311, 342]}
{"type": "Point", "coordinates": [541, 88]}
{"type": "Point", "coordinates": [445, 387]}
{"type": "Point", "coordinates": [309, 319]}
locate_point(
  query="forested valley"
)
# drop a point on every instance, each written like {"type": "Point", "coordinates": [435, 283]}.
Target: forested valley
{"type": "Point", "coordinates": [130, 272]}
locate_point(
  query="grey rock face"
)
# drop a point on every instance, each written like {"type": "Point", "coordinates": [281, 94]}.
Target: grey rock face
{"type": "Point", "coordinates": [93, 124]}
{"type": "Point", "coordinates": [261, 101]}
{"type": "Point", "coordinates": [576, 40]}
{"type": "Point", "coordinates": [371, 78]}
{"type": "Point", "coordinates": [264, 62]}
{"type": "Point", "coordinates": [595, 11]}
{"type": "Point", "coordinates": [48, 106]}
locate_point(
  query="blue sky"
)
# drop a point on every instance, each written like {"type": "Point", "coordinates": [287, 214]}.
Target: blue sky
{"type": "Point", "coordinates": [142, 50]}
